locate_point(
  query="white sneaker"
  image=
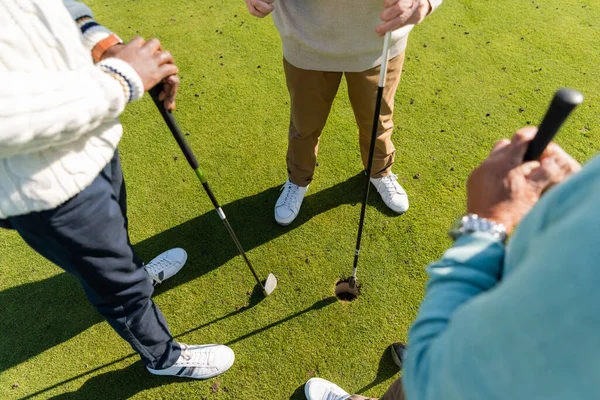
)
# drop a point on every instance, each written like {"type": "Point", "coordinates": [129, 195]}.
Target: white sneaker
{"type": "Point", "coordinates": [320, 389]}
{"type": "Point", "coordinates": [289, 202]}
{"type": "Point", "coordinates": [166, 265]}
{"type": "Point", "coordinates": [392, 193]}
{"type": "Point", "coordinates": [199, 362]}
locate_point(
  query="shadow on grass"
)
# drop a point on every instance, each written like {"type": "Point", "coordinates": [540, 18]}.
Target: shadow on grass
{"type": "Point", "coordinates": [317, 306]}
{"type": "Point", "coordinates": [40, 315]}
{"type": "Point", "coordinates": [119, 384]}
{"type": "Point", "coordinates": [386, 370]}
{"type": "Point", "coordinates": [128, 381]}
{"type": "Point", "coordinates": [298, 393]}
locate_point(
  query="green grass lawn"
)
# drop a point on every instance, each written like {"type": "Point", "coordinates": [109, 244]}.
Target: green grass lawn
{"type": "Point", "coordinates": [475, 71]}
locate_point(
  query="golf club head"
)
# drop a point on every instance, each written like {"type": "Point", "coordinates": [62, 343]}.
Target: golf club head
{"type": "Point", "coordinates": [352, 282]}
{"type": "Point", "coordinates": [343, 291]}
{"type": "Point", "coordinates": [270, 284]}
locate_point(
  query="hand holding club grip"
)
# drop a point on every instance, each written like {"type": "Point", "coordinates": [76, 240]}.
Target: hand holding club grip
{"type": "Point", "coordinates": [564, 101]}
{"type": "Point", "coordinates": [173, 127]}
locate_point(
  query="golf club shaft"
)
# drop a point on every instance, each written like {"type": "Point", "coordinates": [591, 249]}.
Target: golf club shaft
{"type": "Point", "coordinates": [563, 103]}
{"type": "Point", "coordinates": [191, 158]}
{"type": "Point", "coordinates": [382, 76]}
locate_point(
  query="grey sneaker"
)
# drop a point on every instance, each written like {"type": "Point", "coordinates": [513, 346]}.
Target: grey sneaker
{"type": "Point", "coordinates": [166, 265]}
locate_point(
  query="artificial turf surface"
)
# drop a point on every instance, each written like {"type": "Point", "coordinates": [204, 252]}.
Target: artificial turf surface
{"type": "Point", "coordinates": [475, 71]}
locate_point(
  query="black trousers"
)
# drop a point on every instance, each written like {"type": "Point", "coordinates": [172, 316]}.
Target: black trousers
{"type": "Point", "coordinates": [87, 237]}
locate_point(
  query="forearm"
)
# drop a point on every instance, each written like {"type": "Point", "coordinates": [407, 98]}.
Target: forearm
{"type": "Point", "coordinates": [92, 32]}
{"type": "Point", "coordinates": [466, 270]}
{"type": "Point", "coordinates": [43, 109]}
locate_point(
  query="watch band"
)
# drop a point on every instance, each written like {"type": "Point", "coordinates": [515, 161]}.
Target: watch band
{"type": "Point", "coordinates": [471, 223]}
{"type": "Point", "coordinates": [103, 45]}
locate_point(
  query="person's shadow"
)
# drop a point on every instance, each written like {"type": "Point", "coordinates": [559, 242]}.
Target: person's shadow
{"type": "Point", "coordinates": [40, 315]}
{"type": "Point", "coordinates": [136, 376]}
{"type": "Point", "coordinates": [118, 384]}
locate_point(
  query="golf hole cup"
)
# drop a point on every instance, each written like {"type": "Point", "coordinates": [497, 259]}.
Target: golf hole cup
{"type": "Point", "coordinates": [344, 292]}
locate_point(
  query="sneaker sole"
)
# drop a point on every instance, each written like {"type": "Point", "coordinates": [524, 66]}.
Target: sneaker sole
{"type": "Point", "coordinates": [154, 372]}
{"type": "Point", "coordinates": [396, 357]}
{"type": "Point", "coordinates": [285, 223]}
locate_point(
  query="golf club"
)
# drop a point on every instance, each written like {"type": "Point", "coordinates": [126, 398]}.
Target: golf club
{"type": "Point", "coordinates": [271, 281]}
{"type": "Point", "coordinates": [382, 74]}
{"type": "Point", "coordinates": [563, 102]}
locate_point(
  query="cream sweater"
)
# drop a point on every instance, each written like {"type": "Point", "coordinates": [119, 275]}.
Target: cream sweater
{"type": "Point", "coordinates": [58, 111]}
{"type": "Point", "coordinates": [335, 35]}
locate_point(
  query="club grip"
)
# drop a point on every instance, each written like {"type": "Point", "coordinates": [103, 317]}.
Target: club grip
{"type": "Point", "coordinates": [173, 127]}
{"type": "Point", "coordinates": [564, 101]}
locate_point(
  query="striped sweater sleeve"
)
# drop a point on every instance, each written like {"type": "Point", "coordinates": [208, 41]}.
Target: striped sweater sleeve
{"type": "Point", "coordinates": [92, 32]}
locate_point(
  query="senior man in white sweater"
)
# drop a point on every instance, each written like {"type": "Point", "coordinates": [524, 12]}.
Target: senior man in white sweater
{"type": "Point", "coordinates": [65, 79]}
{"type": "Point", "coordinates": [323, 40]}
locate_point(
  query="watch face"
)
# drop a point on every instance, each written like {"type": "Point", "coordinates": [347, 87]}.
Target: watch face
{"type": "Point", "coordinates": [472, 223]}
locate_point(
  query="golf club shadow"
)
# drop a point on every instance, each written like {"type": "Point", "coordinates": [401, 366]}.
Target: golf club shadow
{"type": "Point", "coordinates": [109, 383]}
{"type": "Point", "coordinates": [37, 316]}
{"type": "Point", "coordinates": [256, 297]}
{"type": "Point", "coordinates": [118, 384]}
{"type": "Point", "coordinates": [253, 223]}
{"type": "Point", "coordinates": [317, 306]}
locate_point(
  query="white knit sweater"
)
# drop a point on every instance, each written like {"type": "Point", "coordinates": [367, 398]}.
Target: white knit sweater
{"type": "Point", "coordinates": [335, 35]}
{"type": "Point", "coordinates": [58, 111]}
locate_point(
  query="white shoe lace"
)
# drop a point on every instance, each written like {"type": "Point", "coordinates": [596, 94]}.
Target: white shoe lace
{"type": "Point", "coordinates": [290, 191]}
{"type": "Point", "coordinates": [155, 267]}
{"type": "Point", "coordinates": [389, 187]}
{"type": "Point", "coordinates": [390, 183]}
{"type": "Point", "coordinates": [199, 358]}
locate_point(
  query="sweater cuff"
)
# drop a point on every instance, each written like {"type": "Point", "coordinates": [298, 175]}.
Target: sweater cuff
{"type": "Point", "coordinates": [434, 4]}
{"type": "Point", "coordinates": [479, 250]}
{"type": "Point", "coordinates": [91, 31]}
{"type": "Point", "coordinates": [133, 87]}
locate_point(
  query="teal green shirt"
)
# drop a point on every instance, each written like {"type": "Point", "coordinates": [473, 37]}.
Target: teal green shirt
{"type": "Point", "coordinates": [520, 323]}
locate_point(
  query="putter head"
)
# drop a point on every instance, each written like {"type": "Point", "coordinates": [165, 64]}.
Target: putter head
{"type": "Point", "coordinates": [270, 284]}
{"type": "Point", "coordinates": [343, 291]}
{"type": "Point", "coordinates": [352, 282]}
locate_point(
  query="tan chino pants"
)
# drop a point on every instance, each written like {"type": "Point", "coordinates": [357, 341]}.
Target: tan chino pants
{"type": "Point", "coordinates": [312, 94]}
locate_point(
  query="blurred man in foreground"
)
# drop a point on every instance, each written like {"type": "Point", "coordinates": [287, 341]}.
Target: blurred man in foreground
{"type": "Point", "coordinates": [515, 322]}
